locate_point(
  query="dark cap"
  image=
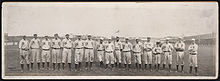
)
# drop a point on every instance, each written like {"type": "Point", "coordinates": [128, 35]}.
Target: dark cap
{"type": "Point", "coordinates": [56, 34]}
{"type": "Point", "coordinates": [89, 36]}
{"type": "Point", "coordinates": [148, 38]}
{"type": "Point", "coordinates": [35, 34]}
{"type": "Point", "coordinates": [67, 34]}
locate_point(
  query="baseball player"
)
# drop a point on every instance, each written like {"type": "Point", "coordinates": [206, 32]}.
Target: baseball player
{"type": "Point", "coordinates": [24, 53]}
{"type": "Point", "coordinates": [167, 50]}
{"type": "Point", "coordinates": [157, 50]}
{"type": "Point", "coordinates": [126, 49]}
{"type": "Point", "coordinates": [89, 51]}
{"type": "Point", "coordinates": [66, 55]}
{"type": "Point", "coordinates": [45, 55]}
{"type": "Point", "coordinates": [148, 46]}
{"type": "Point", "coordinates": [78, 45]}
{"type": "Point", "coordinates": [137, 51]}
{"type": "Point", "coordinates": [109, 56]}
{"type": "Point", "coordinates": [100, 52]}
{"type": "Point", "coordinates": [35, 51]}
{"type": "Point", "coordinates": [118, 49]}
{"type": "Point", "coordinates": [180, 47]}
{"type": "Point", "coordinates": [56, 55]}
{"type": "Point", "coordinates": [193, 48]}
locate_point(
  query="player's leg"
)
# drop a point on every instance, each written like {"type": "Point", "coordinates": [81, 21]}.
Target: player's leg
{"type": "Point", "coordinates": [99, 57]}
{"type": "Point", "coordinates": [112, 59]}
{"type": "Point", "coordinates": [139, 60]}
{"type": "Point", "coordinates": [69, 56]}
{"type": "Point", "coordinates": [43, 53]}
{"type": "Point", "coordinates": [145, 60]}
{"type": "Point", "coordinates": [170, 61]}
{"type": "Point", "coordinates": [190, 63]}
{"type": "Point", "coordinates": [177, 60]}
{"type": "Point", "coordinates": [81, 52]}
{"type": "Point", "coordinates": [165, 59]}
{"type": "Point", "coordinates": [53, 59]}
{"type": "Point", "coordinates": [76, 58]}
{"type": "Point", "coordinates": [27, 60]}
{"type": "Point", "coordinates": [150, 60]}
{"type": "Point", "coordinates": [195, 64]}
{"type": "Point", "coordinates": [119, 59]}
{"type": "Point", "coordinates": [33, 58]}
{"type": "Point", "coordinates": [38, 58]}
{"type": "Point", "coordinates": [48, 59]}
{"type": "Point", "coordinates": [22, 59]}
{"type": "Point", "coordinates": [129, 59]}
{"type": "Point", "coordinates": [87, 58]}
{"type": "Point", "coordinates": [106, 60]}
{"type": "Point", "coordinates": [182, 60]}
{"type": "Point", "coordinates": [64, 56]}
{"type": "Point", "coordinates": [91, 57]}
{"type": "Point", "coordinates": [59, 58]}
{"type": "Point", "coordinates": [158, 61]}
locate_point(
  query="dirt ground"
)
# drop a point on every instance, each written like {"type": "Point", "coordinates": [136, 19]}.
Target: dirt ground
{"type": "Point", "coordinates": [206, 63]}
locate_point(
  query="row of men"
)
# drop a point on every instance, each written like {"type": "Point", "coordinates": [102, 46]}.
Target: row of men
{"type": "Point", "coordinates": [113, 50]}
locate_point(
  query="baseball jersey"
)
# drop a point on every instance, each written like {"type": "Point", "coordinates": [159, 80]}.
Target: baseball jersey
{"type": "Point", "coordinates": [89, 43]}
{"type": "Point", "coordinates": [46, 44]}
{"type": "Point", "coordinates": [118, 45]}
{"type": "Point", "coordinates": [180, 46]}
{"type": "Point", "coordinates": [157, 50]}
{"type": "Point", "coordinates": [78, 44]}
{"type": "Point", "coordinates": [127, 46]}
{"type": "Point", "coordinates": [193, 48]}
{"type": "Point", "coordinates": [137, 47]}
{"type": "Point", "coordinates": [66, 43]}
{"type": "Point", "coordinates": [35, 43]}
{"type": "Point", "coordinates": [109, 47]}
{"type": "Point", "coordinates": [56, 43]}
{"type": "Point", "coordinates": [167, 47]}
{"type": "Point", "coordinates": [148, 46]}
{"type": "Point", "coordinates": [23, 44]}
{"type": "Point", "coordinates": [100, 46]}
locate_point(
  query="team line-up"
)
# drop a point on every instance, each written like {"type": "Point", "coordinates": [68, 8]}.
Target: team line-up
{"type": "Point", "coordinates": [109, 54]}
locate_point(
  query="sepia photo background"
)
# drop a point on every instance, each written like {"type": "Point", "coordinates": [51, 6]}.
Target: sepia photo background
{"type": "Point", "coordinates": [158, 20]}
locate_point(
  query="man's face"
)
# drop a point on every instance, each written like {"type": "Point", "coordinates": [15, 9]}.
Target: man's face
{"type": "Point", "coordinates": [167, 41]}
{"type": "Point", "coordinates": [117, 39]}
{"type": "Point", "coordinates": [55, 36]}
{"type": "Point", "coordinates": [89, 37]}
{"type": "Point", "coordinates": [67, 36]}
{"type": "Point", "coordinates": [137, 40]}
{"type": "Point", "coordinates": [24, 37]}
{"type": "Point", "coordinates": [35, 36]}
{"type": "Point", "coordinates": [126, 40]}
{"type": "Point", "coordinates": [46, 38]}
{"type": "Point", "coordinates": [79, 37]}
{"type": "Point", "coordinates": [148, 40]}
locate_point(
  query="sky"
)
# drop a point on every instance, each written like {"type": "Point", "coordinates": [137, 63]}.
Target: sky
{"type": "Point", "coordinates": [139, 19]}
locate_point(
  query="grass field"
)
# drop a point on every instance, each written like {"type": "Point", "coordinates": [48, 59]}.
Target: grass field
{"type": "Point", "coordinates": [206, 63]}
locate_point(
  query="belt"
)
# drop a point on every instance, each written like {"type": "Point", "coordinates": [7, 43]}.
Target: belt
{"type": "Point", "coordinates": [109, 51]}
{"type": "Point", "coordinates": [100, 50]}
{"type": "Point", "coordinates": [25, 49]}
{"type": "Point", "coordinates": [56, 48]}
{"type": "Point", "coordinates": [117, 49]}
{"type": "Point", "coordinates": [79, 48]}
{"type": "Point", "coordinates": [126, 51]}
{"type": "Point", "coordinates": [89, 48]}
{"type": "Point", "coordinates": [67, 48]}
{"type": "Point", "coordinates": [179, 50]}
{"type": "Point", "coordinates": [46, 49]}
{"type": "Point", "coordinates": [137, 52]}
{"type": "Point", "coordinates": [192, 53]}
{"type": "Point", "coordinates": [166, 51]}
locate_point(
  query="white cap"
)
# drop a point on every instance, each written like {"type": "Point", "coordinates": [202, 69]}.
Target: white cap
{"type": "Point", "coordinates": [180, 37]}
{"type": "Point", "coordinates": [193, 39]}
{"type": "Point", "coordinates": [167, 38]}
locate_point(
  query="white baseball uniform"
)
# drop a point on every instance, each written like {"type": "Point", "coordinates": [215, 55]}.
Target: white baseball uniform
{"type": "Point", "coordinates": [126, 48]}
{"type": "Point", "coordinates": [137, 49]}
{"type": "Point", "coordinates": [100, 52]}
{"type": "Point", "coordinates": [118, 47]}
{"type": "Point", "coordinates": [35, 51]}
{"type": "Point", "coordinates": [78, 44]}
{"type": "Point", "coordinates": [167, 49]}
{"type": "Point", "coordinates": [67, 54]}
{"type": "Point", "coordinates": [193, 48]}
{"type": "Point", "coordinates": [180, 47]}
{"type": "Point", "coordinates": [157, 51]}
{"type": "Point", "coordinates": [45, 55]}
{"type": "Point", "coordinates": [24, 53]}
{"type": "Point", "coordinates": [109, 48]}
{"type": "Point", "coordinates": [89, 53]}
{"type": "Point", "coordinates": [56, 55]}
{"type": "Point", "coordinates": [148, 46]}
